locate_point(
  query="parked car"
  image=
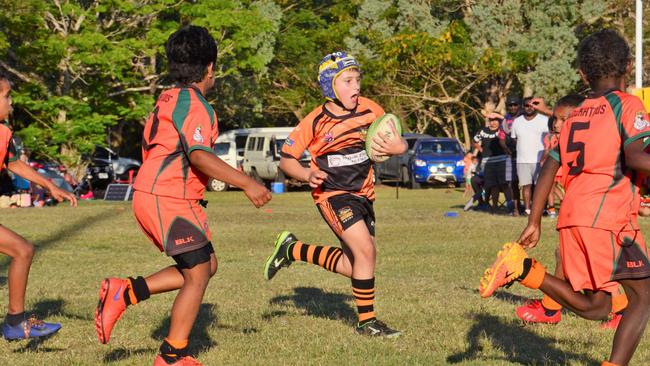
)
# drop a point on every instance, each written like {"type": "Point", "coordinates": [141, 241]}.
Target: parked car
{"type": "Point", "coordinates": [122, 168]}
{"type": "Point", "coordinates": [396, 168]}
{"type": "Point", "coordinates": [229, 147]}
{"type": "Point", "coordinates": [437, 160]}
{"type": "Point", "coordinates": [262, 156]}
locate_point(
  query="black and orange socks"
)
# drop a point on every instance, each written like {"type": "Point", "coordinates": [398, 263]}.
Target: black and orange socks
{"type": "Point", "coordinates": [173, 350]}
{"type": "Point", "coordinates": [326, 257]}
{"type": "Point", "coordinates": [364, 297]}
{"type": "Point", "coordinates": [136, 291]}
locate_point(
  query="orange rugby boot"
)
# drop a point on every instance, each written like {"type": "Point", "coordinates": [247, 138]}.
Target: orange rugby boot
{"type": "Point", "coordinates": [184, 361]}
{"type": "Point", "coordinates": [110, 308]}
{"type": "Point", "coordinates": [508, 266]}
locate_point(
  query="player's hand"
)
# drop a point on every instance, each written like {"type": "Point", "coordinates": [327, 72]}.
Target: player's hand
{"type": "Point", "coordinates": [316, 178]}
{"type": "Point", "coordinates": [384, 146]}
{"type": "Point", "coordinates": [257, 194]}
{"type": "Point", "coordinates": [60, 195]}
{"type": "Point", "coordinates": [530, 236]}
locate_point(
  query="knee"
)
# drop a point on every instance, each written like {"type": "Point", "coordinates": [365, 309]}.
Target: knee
{"type": "Point", "coordinates": [366, 252]}
{"type": "Point", "coordinates": [25, 252]}
{"type": "Point", "coordinates": [214, 265]}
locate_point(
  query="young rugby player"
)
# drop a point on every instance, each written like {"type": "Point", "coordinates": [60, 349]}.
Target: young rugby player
{"type": "Point", "coordinates": [341, 176]}
{"type": "Point", "coordinates": [601, 154]}
{"type": "Point", "coordinates": [548, 310]}
{"type": "Point", "coordinates": [177, 161]}
{"type": "Point", "coordinates": [16, 325]}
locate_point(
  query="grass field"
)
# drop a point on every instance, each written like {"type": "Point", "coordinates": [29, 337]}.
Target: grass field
{"type": "Point", "coordinates": [428, 271]}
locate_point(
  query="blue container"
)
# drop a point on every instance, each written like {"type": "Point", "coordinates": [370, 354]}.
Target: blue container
{"type": "Point", "coordinates": [277, 187]}
{"type": "Point", "coordinates": [451, 214]}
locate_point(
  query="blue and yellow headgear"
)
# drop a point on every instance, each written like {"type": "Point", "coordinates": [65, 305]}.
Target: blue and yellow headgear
{"type": "Point", "coordinates": [330, 67]}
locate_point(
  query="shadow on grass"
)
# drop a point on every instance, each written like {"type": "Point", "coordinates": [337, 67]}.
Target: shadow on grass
{"type": "Point", "coordinates": [54, 307]}
{"type": "Point", "coordinates": [36, 345]}
{"type": "Point", "coordinates": [501, 295]}
{"type": "Point", "coordinates": [316, 303]}
{"type": "Point", "coordinates": [122, 353]}
{"type": "Point", "coordinates": [519, 344]}
{"type": "Point", "coordinates": [199, 337]}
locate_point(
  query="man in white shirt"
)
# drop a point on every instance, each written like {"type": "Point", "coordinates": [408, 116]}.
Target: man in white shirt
{"type": "Point", "coordinates": [528, 130]}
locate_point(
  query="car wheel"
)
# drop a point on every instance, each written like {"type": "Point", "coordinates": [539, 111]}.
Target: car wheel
{"type": "Point", "coordinates": [216, 185]}
{"type": "Point", "coordinates": [405, 176]}
{"type": "Point", "coordinates": [256, 177]}
{"type": "Point", "coordinates": [413, 184]}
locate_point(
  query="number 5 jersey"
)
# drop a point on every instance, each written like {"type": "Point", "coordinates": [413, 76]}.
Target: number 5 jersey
{"type": "Point", "coordinates": [601, 192]}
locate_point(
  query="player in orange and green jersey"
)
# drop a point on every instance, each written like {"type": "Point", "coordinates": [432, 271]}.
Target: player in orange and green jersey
{"type": "Point", "coordinates": [601, 155]}
{"type": "Point", "coordinates": [341, 176]}
{"type": "Point", "coordinates": [177, 163]}
{"type": "Point", "coordinates": [16, 324]}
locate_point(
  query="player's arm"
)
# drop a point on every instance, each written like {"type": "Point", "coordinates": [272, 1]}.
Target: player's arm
{"type": "Point", "coordinates": [530, 236]}
{"type": "Point", "coordinates": [291, 167]}
{"type": "Point", "coordinates": [22, 169]}
{"type": "Point", "coordinates": [213, 167]}
{"type": "Point", "coordinates": [636, 158]}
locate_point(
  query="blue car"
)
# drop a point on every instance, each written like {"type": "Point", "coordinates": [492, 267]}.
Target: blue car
{"type": "Point", "coordinates": [437, 160]}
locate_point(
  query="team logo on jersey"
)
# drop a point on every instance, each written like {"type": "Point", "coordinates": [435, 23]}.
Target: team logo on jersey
{"type": "Point", "coordinates": [197, 135]}
{"type": "Point", "coordinates": [363, 133]}
{"type": "Point", "coordinates": [345, 214]}
{"type": "Point", "coordinates": [639, 122]}
{"type": "Point", "coordinates": [328, 138]}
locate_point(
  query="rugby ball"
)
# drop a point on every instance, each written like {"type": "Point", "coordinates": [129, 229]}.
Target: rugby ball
{"type": "Point", "coordinates": [382, 125]}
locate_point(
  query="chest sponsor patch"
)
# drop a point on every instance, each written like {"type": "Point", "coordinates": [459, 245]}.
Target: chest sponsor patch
{"type": "Point", "coordinates": [334, 161]}
{"type": "Point", "coordinates": [639, 122]}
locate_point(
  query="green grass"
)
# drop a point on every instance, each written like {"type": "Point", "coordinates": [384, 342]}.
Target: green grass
{"type": "Point", "coordinates": [427, 274]}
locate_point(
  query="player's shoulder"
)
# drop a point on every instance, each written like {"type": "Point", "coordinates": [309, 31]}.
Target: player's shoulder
{"type": "Point", "coordinates": [369, 104]}
{"type": "Point", "coordinates": [629, 100]}
{"type": "Point", "coordinates": [4, 130]}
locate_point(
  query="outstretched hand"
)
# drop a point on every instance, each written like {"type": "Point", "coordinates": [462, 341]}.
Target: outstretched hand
{"type": "Point", "coordinates": [60, 195]}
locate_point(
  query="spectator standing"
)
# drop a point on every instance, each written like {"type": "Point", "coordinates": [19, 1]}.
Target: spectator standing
{"type": "Point", "coordinates": [496, 164]}
{"type": "Point", "coordinates": [513, 110]}
{"type": "Point", "coordinates": [528, 131]}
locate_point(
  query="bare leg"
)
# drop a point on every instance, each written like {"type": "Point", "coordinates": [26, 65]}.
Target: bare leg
{"type": "Point", "coordinates": [634, 320]}
{"type": "Point", "coordinates": [527, 196]}
{"type": "Point", "coordinates": [170, 278]}
{"type": "Point", "coordinates": [591, 305]}
{"type": "Point", "coordinates": [21, 253]}
{"type": "Point", "coordinates": [359, 251]}
{"type": "Point", "coordinates": [189, 298]}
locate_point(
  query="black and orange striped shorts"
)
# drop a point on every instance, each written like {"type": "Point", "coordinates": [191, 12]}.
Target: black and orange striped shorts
{"type": "Point", "coordinates": [344, 210]}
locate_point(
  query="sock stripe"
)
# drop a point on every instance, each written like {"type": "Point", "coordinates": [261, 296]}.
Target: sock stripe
{"type": "Point", "coordinates": [303, 253]}
{"type": "Point", "coordinates": [337, 255]}
{"type": "Point", "coordinates": [317, 255]}
{"type": "Point", "coordinates": [363, 291]}
{"type": "Point", "coordinates": [310, 253]}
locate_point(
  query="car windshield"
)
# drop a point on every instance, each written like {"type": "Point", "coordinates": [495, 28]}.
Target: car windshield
{"type": "Point", "coordinates": [278, 143]}
{"type": "Point", "coordinates": [439, 147]}
{"type": "Point", "coordinates": [221, 148]}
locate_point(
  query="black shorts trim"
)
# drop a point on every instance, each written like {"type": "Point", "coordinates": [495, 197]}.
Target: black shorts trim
{"type": "Point", "coordinates": [192, 258]}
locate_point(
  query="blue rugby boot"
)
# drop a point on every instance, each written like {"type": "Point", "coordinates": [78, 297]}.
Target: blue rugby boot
{"type": "Point", "coordinates": [29, 328]}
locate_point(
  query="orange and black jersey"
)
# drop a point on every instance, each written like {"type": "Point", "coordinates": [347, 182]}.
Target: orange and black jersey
{"type": "Point", "coordinates": [181, 122]}
{"type": "Point", "coordinates": [7, 148]}
{"type": "Point", "coordinates": [337, 147]}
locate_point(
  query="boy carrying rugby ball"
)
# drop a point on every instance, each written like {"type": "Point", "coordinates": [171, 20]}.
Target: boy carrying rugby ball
{"type": "Point", "coordinates": [341, 176]}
